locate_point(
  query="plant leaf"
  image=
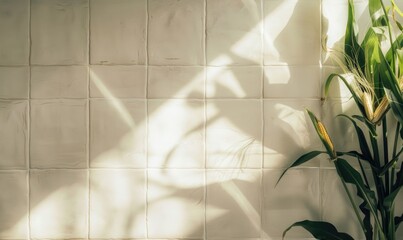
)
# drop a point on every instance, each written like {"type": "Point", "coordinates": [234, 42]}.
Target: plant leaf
{"type": "Point", "coordinates": [320, 230]}
{"type": "Point", "coordinates": [323, 135]}
{"type": "Point", "coordinates": [398, 220]}
{"type": "Point", "coordinates": [399, 178]}
{"type": "Point", "coordinates": [392, 89]}
{"type": "Point", "coordinates": [352, 49]}
{"type": "Point", "coordinates": [390, 164]}
{"type": "Point", "coordinates": [369, 124]}
{"type": "Point", "coordinates": [376, 13]}
{"type": "Point", "coordinates": [349, 175]}
{"type": "Point", "coordinates": [351, 154]}
{"type": "Point", "coordinates": [361, 139]}
{"type": "Point", "coordinates": [356, 98]}
{"type": "Point", "coordinates": [301, 160]}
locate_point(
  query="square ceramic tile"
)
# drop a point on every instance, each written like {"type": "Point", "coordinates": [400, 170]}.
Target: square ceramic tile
{"type": "Point", "coordinates": [292, 82]}
{"type": "Point", "coordinates": [14, 82]}
{"type": "Point", "coordinates": [295, 198]}
{"type": "Point", "coordinates": [118, 133]}
{"type": "Point", "coordinates": [288, 131]}
{"type": "Point", "coordinates": [292, 32]}
{"type": "Point", "coordinates": [232, 139]}
{"type": "Point", "coordinates": [14, 28]}
{"type": "Point", "coordinates": [340, 129]}
{"type": "Point", "coordinates": [13, 134]}
{"type": "Point", "coordinates": [334, 20]}
{"type": "Point", "coordinates": [233, 203]}
{"type": "Point", "coordinates": [333, 194]}
{"type": "Point", "coordinates": [234, 82]}
{"type": "Point", "coordinates": [13, 205]}
{"type": "Point", "coordinates": [59, 204]}
{"type": "Point", "coordinates": [118, 81]}
{"type": "Point", "coordinates": [175, 32]}
{"type": "Point", "coordinates": [59, 82]}
{"type": "Point", "coordinates": [175, 204]}
{"type": "Point", "coordinates": [175, 133]}
{"type": "Point", "coordinates": [58, 133]}
{"type": "Point", "coordinates": [59, 32]}
{"type": "Point", "coordinates": [234, 32]}
{"type": "Point", "coordinates": [118, 31]}
{"type": "Point", "coordinates": [176, 82]}
{"type": "Point", "coordinates": [118, 204]}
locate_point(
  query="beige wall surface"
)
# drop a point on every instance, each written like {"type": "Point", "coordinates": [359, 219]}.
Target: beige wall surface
{"type": "Point", "coordinates": [168, 119]}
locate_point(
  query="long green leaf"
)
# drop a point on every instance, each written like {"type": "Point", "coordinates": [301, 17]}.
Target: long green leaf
{"type": "Point", "coordinates": [398, 220]}
{"type": "Point", "coordinates": [399, 178]}
{"type": "Point", "coordinates": [361, 139]}
{"type": "Point", "coordinates": [376, 13]}
{"type": "Point", "coordinates": [392, 89]}
{"type": "Point", "coordinates": [352, 49]}
{"type": "Point", "coordinates": [349, 175]}
{"type": "Point", "coordinates": [301, 160]}
{"type": "Point", "coordinates": [320, 230]}
{"type": "Point", "coordinates": [369, 124]}
{"type": "Point", "coordinates": [390, 164]}
{"type": "Point", "coordinates": [356, 98]}
{"type": "Point", "coordinates": [351, 154]}
{"type": "Point", "coordinates": [371, 48]}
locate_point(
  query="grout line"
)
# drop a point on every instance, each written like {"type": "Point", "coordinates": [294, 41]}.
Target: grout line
{"type": "Point", "coordinates": [205, 120]}
{"type": "Point", "coordinates": [170, 66]}
{"type": "Point", "coordinates": [162, 168]}
{"type": "Point", "coordinates": [146, 175]}
{"type": "Point", "coordinates": [261, 192]}
{"type": "Point", "coordinates": [88, 123]}
{"type": "Point", "coordinates": [321, 105]}
{"type": "Point", "coordinates": [29, 121]}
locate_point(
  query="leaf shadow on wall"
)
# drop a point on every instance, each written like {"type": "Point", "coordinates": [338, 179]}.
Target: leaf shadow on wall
{"type": "Point", "coordinates": [230, 117]}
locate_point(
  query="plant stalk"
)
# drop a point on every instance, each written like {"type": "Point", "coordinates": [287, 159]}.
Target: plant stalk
{"type": "Point", "coordinates": [357, 213]}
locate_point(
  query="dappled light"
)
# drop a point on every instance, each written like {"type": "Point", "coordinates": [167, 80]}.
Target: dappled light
{"type": "Point", "coordinates": [186, 121]}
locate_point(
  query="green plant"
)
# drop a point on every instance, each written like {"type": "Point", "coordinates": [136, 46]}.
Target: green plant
{"type": "Point", "coordinates": [376, 74]}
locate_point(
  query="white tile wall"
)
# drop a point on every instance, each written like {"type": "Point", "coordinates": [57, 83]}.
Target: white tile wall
{"type": "Point", "coordinates": [233, 140]}
{"type": "Point", "coordinates": [59, 32]}
{"type": "Point", "coordinates": [295, 198]}
{"type": "Point", "coordinates": [288, 132]}
{"type": "Point", "coordinates": [59, 82]}
{"type": "Point", "coordinates": [14, 205]}
{"type": "Point", "coordinates": [176, 82]}
{"type": "Point", "coordinates": [175, 133]}
{"type": "Point", "coordinates": [118, 31]}
{"type": "Point", "coordinates": [58, 134]}
{"type": "Point", "coordinates": [292, 32]}
{"type": "Point", "coordinates": [58, 204]}
{"type": "Point", "coordinates": [117, 205]}
{"type": "Point", "coordinates": [234, 82]}
{"type": "Point", "coordinates": [175, 32]}
{"type": "Point", "coordinates": [117, 81]}
{"type": "Point", "coordinates": [14, 82]}
{"type": "Point", "coordinates": [176, 204]}
{"type": "Point", "coordinates": [168, 119]}
{"type": "Point", "coordinates": [14, 28]}
{"type": "Point", "coordinates": [14, 134]}
{"type": "Point", "coordinates": [233, 203]}
{"type": "Point", "coordinates": [118, 133]}
{"type": "Point", "coordinates": [234, 31]}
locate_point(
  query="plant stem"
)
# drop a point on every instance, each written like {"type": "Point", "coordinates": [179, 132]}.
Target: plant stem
{"type": "Point", "coordinates": [363, 172]}
{"type": "Point", "coordinates": [385, 152]}
{"type": "Point", "coordinates": [354, 206]}
{"type": "Point", "coordinates": [392, 180]}
{"type": "Point", "coordinates": [378, 183]}
{"type": "Point", "coordinates": [390, 36]}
